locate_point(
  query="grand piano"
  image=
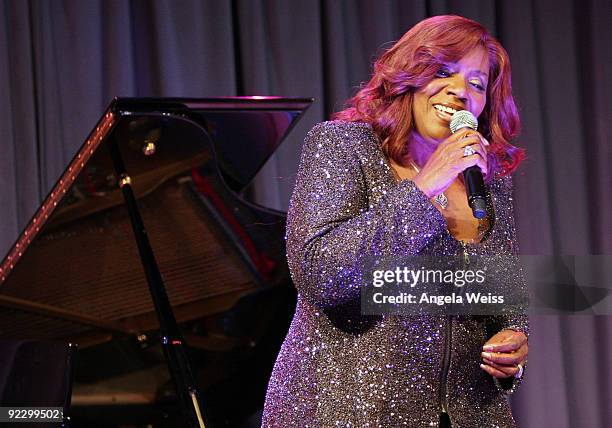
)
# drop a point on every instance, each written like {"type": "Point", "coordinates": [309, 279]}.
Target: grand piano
{"type": "Point", "coordinates": [150, 237]}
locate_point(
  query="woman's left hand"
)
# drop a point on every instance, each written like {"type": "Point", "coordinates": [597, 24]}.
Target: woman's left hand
{"type": "Point", "coordinates": [504, 352]}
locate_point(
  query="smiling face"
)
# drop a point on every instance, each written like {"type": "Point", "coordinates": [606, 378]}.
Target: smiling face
{"type": "Point", "coordinates": [456, 86]}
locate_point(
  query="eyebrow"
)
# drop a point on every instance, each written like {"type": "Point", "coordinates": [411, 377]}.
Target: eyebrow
{"type": "Point", "coordinates": [475, 71]}
{"type": "Point", "coordinates": [482, 73]}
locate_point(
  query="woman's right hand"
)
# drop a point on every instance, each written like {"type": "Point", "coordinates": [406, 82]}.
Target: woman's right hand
{"type": "Point", "coordinates": [448, 161]}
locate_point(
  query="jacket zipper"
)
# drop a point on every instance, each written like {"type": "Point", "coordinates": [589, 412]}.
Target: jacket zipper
{"type": "Point", "coordinates": [448, 339]}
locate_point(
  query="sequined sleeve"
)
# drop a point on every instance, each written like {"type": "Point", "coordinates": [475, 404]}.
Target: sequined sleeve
{"type": "Point", "coordinates": [518, 319]}
{"type": "Point", "coordinates": [331, 224]}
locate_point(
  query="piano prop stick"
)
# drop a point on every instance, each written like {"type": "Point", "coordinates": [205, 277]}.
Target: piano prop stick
{"type": "Point", "coordinates": [172, 341]}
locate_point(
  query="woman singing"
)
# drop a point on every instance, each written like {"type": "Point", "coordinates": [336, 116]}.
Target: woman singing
{"type": "Point", "coordinates": [384, 178]}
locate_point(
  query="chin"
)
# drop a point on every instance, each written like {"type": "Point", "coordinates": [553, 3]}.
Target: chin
{"type": "Point", "coordinates": [435, 133]}
{"type": "Point", "coordinates": [440, 135]}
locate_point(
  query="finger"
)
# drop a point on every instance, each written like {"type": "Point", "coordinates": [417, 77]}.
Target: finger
{"type": "Point", "coordinates": [456, 147]}
{"type": "Point", "coordinates": [493, 371]}
{"type": "Point", "coordinates": [468, 135]}
{"type": "Point", "coordinates": [517, 357]}
{"type": "Point", "coordinates": [458, 136]}
{"type": "Point", "coordinates": [483, 164]}
{"type": "Point", "coordinates": [476, 141]}
{"type": "Point", "coordinates": [507, 370]}
{"type": "Point", "coordinates": [468, 161]}
{"type": "Point", "coordinates": [466, 139]}
{"type": "Point", "coordinates": [521, 353]}
{"type": "Point", "coordinates": [472, 141]}
{"type": "Point", "coordinates": [503, 358]}
{"type": "Point", "coordinates": [483, 146]}
{"type": "Point", "coordinates": [471, 133]}
{"type": "Point", "coordinates": [483, 140]}
{"type": "Point", "coordinates": [478, 149]}
{"type": "Point", "coordinates": [509, 344]}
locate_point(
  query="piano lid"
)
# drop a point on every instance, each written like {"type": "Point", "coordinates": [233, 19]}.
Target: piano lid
{"type": "Point", "coordinates": [188, 159]}
{"type": "Point", "coordinates": [245, 130]}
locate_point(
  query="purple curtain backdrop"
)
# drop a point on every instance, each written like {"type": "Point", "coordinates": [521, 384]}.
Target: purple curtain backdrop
{"type": "Point", "coordinates": [61, 62]}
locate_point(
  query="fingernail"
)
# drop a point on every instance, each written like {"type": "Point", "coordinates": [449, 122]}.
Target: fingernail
{"type": "Point", "coordinates": [486, 354]}
{"type": "Point", "coordinates": [488, 347]}
{"type": "Point", "coordinates": [482, 366]}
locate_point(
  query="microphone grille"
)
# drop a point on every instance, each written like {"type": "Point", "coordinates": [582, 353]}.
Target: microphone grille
{"type": "Point", "coordinates": [462, 119]}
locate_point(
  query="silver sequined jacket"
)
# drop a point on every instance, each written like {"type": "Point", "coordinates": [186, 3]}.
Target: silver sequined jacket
{"type": "Point", "coordinates": [338, 368]}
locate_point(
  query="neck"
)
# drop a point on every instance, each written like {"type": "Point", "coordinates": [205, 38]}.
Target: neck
{"type": "Point", "coordinates": [420, 149]}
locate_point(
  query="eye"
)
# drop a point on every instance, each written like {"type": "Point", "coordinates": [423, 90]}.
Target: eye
{"type": "Point", "coordinates": [477, 84]}
{"type": "Point", "coordinates": [443, 72]}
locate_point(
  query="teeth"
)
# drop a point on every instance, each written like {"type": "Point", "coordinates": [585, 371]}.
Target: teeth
{"type": "Point", "coordinates": [445, 109]}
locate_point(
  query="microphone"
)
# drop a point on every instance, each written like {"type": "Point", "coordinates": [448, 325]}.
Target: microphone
{"type": "Point", "coordinates": [474, 183]}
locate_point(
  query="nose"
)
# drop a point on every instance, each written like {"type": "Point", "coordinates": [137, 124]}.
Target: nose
{"type": "Point", "coordinates": [457, 86]}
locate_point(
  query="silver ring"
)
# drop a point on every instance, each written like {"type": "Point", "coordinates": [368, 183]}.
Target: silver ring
{"type": "Point", "coordinates": [519, 374]}
{"type": "Point", "coordinates": [468, 151]}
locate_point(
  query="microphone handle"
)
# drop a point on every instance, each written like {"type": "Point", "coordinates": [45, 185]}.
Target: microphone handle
{"type": "Point", "coordinates": [474, 186]}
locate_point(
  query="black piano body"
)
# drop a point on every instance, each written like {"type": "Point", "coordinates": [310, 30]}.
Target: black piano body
{"type": "Point", "coordinates": [74, 275]}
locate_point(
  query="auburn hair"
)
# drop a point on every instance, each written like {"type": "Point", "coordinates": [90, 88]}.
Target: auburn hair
{"type": "Point", "coordinates": [385, 101]}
